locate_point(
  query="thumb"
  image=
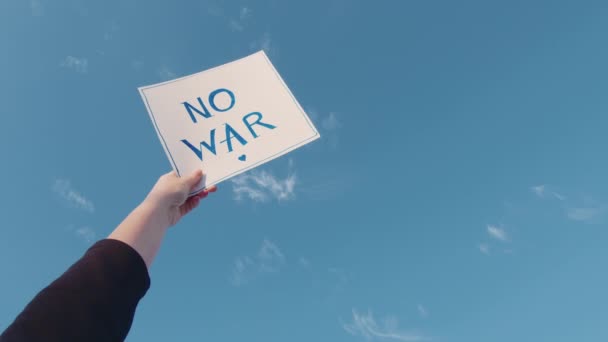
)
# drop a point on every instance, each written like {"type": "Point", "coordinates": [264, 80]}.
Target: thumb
{"type": "Point", "coordinates": [193, 180]}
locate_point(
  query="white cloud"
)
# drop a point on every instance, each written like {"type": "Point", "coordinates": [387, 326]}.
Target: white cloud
{"type": "Point", "coordinates": [558, 196]}
{"type": "Point", "coordinates": [245, 13]}
{"type": "Point", "coordinates": [86, 233]}
{"type": "Point", "coordinates": [269, 259]}
{"type": "Point", "coordinates": [265, 43]}
{"type": "Point", "coordinates": [262, 186]}
{"type": "Point", "coordinates": [365, 326]}
{"type": "Point", "coordinates": [331, 122]}
{"type": "Point", "coordinates": [422, 311]}
{"type": "Point", "coordinates": [498, 233]}
{"type": "Point", "coordinates": [112, 29]}
{"type": "Point", "coordinates": [590, 214]}
{"type": "Point", "coordinates": [582, 209]}
{"type": "Point", "coordinates": [37, 8]}
{"type": "Point", "coordinates": [484, 248]}
{"type": "Point", "coordinates": [80, 65]}
{"type": "Point", "coordinates": [63, 188]}
{"type": "Point", "coordinates": [241, 271]}
{"type": "Point", "coordinates": [235, 25]}
{"type": "Point", "coordinates": [304, 262]}
{"type": "Point", "coordinates": [166, 74]}
{"type": "Point", "coordinates": [541, 191]}
{"type": "Point", "coordinates": [238, 25]}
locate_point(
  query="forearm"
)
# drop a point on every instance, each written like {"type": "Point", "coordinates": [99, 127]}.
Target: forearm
{"type": "Point", "coordinates": [94, 300]}
{"type": "Point", "coordinates": [143, 230]}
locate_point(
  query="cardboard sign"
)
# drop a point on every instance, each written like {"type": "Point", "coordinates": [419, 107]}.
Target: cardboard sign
{"type": "Point", "coordinates": [228, 119]}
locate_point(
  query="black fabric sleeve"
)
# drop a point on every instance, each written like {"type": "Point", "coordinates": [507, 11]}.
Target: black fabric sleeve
{"type": "Point", "coordinates": [94, 300]}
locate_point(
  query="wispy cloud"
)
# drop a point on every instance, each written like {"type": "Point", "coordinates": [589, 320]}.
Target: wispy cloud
{"type": "Point", "coordinates": [265, 43]}
{"type": "Point", "coordinates": [497, 233]}
{"type": "Point", "coordinates": [543, 191]}
{"type": "Point", "coordinates": [245, 13]}
{"type": "Point", "coordinates": [236, 23]}
{"type": "Point", "coordinates": [587, 214]}
{"type": "Point", "coordinates": [423, 311]}
{"type": "Point", "coordinates": [365, 326]}
{"type": "Point", "coordinates": [166, 74]}
{"type": "Point", "coordinates": [37, 8]}
{"type": "Point", "coordinates": [63, 188]}
{"type": "Point", "coordinates": [269, 259]}
{"type": "Point", "coordinates": [262, 186]}
{"type": "Point", "coordinates": [86, 233]}
{"type": "Point", "coordinates": [304, 262]}
{"type": "Point", "coordinates": [242, 270]}
{"type": "Point", "coordinates": [331, 122]}
{"type": "Point", "coordinates": [80, 65]}
{"type": "Point", "coordinates": [111, 31]}
{"type": "Point", "coordinates": [539, 190]}
{"type": "Point", "coordinates": [484, 248]}
{"type": "Point", "coordinates": [558, 196]}
{"type": "Point", "coordinates": [239, 24]}
{"type": "Point", "coordinates": [576, 208]}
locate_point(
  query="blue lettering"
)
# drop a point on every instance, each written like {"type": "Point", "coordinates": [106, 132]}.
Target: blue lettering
{"type": "Point", "coordinates": [258, 121]}
{"type": "Point", "coordinates": [231, 133]}
{"type": "Point", "coordinates": [199, 152]}
{"type": "Point", "coordinates": [205, 112]}
{"type": "Point", "coordinates": [212, 99]}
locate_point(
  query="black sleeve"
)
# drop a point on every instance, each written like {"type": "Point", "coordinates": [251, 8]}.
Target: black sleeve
{"type": "Point", "coordinates": [94, 300]}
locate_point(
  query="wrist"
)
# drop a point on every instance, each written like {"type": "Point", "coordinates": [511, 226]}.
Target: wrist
{"type": "Point", "coordinates": [155, 213]}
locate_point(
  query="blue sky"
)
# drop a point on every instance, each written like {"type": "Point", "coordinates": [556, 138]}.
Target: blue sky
{"type": "Point", "coordinates": [458, 192]}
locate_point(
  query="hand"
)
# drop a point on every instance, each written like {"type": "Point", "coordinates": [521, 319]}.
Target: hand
{"type": "Point", "coordinates": [170, 195]}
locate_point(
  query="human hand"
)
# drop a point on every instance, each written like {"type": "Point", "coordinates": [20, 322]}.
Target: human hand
{"type": "Point", "coordinates": [170, 195]}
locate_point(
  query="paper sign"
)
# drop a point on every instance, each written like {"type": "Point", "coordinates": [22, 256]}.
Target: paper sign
{"type": "Point", "coordinates": [228, 119]}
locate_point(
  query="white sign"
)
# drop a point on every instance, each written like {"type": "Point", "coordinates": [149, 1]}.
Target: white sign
{"type": "Point", "coordinates": [228, 119]}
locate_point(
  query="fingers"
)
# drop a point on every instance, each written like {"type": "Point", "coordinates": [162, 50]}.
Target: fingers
{"type": "Point", "coordinates": [193, 202]}
{"type": "Point", "coordinates": [209, 190]}
{"type": "Point", "coordinates": [190, 204]}
{"type": "Point", "coordinates": [202, 194]}
{"type": "Point", "coordinates": [206, 192]}
{"type": "Point", "coordinates": [193, 180]}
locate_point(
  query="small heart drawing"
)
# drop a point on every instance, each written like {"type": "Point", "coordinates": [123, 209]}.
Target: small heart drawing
{"type": "Point", "coordinates": [243, 158]}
